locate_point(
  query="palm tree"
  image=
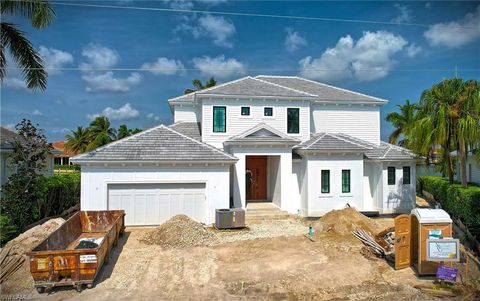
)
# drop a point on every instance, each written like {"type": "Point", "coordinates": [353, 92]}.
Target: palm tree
{"type": "Point", "coordinates": [78, 140]}
{"type": "Point", "coordinates": [100, 132]}
{"type": "Point", "coordinates": [402, 121]}
{"type": "Point", "coordinates": [24, 54]}
{"type": "Point", "coordinates": [437, 122]}
{"type": "Point", "coordinates": [199, 86]}
{"type": "Point", "coordinates": [124, 131]}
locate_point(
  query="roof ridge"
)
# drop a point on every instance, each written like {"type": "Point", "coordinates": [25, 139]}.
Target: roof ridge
{"type": "Point", "coordinates": [341, 89]}
{"type": "Point", "coordinates": [118, 141]}
{"type": "Point", "coordinates": [260, 126]}
{"type": "Point", "coordinates": [352, 142]}
{"type": "Point", "coordinates": [276, 76]}
{"type": "Point", "coordinates": [287, 88]}
{"type": "Point", "coordinates": [358, 140]}
{"type": "Point", "coordinates": [202, 143]}
{"type": "Point", "coordinates": [320, 136]}
{"type": "Point", "coordinates": [400, 148]}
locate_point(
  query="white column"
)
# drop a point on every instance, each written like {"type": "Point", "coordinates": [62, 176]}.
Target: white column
{"type": "Point", "coordinates": [239, 198]}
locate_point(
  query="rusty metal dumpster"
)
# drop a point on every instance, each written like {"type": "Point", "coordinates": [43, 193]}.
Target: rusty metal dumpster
{"type": "Point", "coordinates": [62, 259]}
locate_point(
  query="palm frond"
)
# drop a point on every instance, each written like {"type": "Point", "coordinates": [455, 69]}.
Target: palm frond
{"type": "Point", "coordinates": [39, 12]}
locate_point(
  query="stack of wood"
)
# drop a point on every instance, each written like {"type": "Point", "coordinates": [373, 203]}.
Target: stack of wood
{"type": "Point", "coordinates": [369, 241]}
{"type": "Point", "coordinates": [9, 263]}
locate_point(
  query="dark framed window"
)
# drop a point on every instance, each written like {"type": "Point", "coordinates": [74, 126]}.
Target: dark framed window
{"type": "Point", "coordinates": [293, 120]}
{"type": "Point", "coordinates": [325, 181]}
{"type": "Point", "coordinates": [406, 175]}
{"type": "Point", "coordinates": [219, 119]}
{"type": "Point", "coordinates": [391, 175]}
{"type": "Point", "coordinates": [345, 180]}
{"type": "Point", "coordinates": [245, 111]}
{"type": "Point", "coordinates": [267, 111]}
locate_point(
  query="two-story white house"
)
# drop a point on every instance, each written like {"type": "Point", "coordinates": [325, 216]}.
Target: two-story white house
{"type": "Point", "coordinates": [305, 146]}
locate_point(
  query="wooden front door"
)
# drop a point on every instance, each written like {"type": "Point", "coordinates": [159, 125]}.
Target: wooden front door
{"type": "Point", "coordinates": [403, 241]}
{"type": "Point", "coordinates": [256, 177]}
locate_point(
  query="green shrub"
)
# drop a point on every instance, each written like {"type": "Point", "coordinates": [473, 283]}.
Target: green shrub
{"type": "Point", "coordinates": [459, 202]}
{"type": "Point", "coordinates": [7, 228]}
{"type": "Point", "coordinates": [74, 167]}
{"type": "Point", "coordinates": [58, 193]}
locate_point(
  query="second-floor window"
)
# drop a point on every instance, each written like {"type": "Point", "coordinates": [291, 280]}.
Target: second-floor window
{"type": "Point", "coordinates": [219, 119]}
{"type": "Point", "coordinates": [268, 111]}
{"type": "Point", "coordinates": [245, 111]}
{"type": "Point", "coordinates": [293, 120]}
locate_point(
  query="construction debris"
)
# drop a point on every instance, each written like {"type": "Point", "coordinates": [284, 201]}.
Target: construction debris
{"type": "Point", "coordinates": [369, 241]}
{"type": "Point", "coordinates": [179, 232]}
{"type": "Point", "coordinates": [345, 221]}
{"type": "Point", "coordinates": [9, 264]}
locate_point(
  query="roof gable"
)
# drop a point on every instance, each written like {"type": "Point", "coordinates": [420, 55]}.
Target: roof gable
{"type": "Point", "coordinates": [330, 142]}
{"type": "Point", "coordinates": [156, 145]}
{"type": "Point", "coordinates": [263, 133]}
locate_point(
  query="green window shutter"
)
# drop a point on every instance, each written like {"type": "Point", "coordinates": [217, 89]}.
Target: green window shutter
{"type": "Point", "coordinates": [245, 111]}
{"type": "Point", "coordinates": [406, 175]}
{"type": "Point", "coordinates": [325, 181]}
{"type": "Point", "coordinates": [293, 120]}
{"type": "Point", "coordinates": [391, 175]}
{"type": "Point", "coordinates": [345, 180]}
{"type": "Point", "coordinates": [219, 119]}
{"type": "Point", "coordinates": [268, 111]}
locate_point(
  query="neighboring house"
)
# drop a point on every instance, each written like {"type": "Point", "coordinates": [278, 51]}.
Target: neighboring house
{"type": "Point", "coordinates": [303, 145]}
{"type": "Point", "coordinates": [6, 138]}
{"type": "Point", "coordinates": [63, 156]}
{"type": "Point", "coordinates": [473, 168]}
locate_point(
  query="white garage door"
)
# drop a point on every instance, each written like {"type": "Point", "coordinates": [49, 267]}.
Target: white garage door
{"type": "Point", "coordinates": [153, 204]}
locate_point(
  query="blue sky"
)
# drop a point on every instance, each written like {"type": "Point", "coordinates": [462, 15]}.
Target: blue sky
{"type": "Point", "coordinates": [160, 52]}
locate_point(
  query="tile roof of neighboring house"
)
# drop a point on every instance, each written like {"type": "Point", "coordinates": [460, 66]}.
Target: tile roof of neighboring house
{"type": "Point", "coordinates": [6, 137]}
{"type": "Point", "coordinates": [262, 133]}
{"type": "Point", "coordinates": [322, 91]}
{"type": "Point", "coordinates": [190, 129]}
{"type": "Point", "coordinates": [156, 145]}
{"type": "Point", "coordinates": [60, 147]}
{"type": "Point", "coordinates": [331, 142]}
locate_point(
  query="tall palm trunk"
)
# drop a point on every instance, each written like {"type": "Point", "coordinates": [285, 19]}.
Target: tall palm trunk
{"type": "Point", "coordinates": [462, 153]}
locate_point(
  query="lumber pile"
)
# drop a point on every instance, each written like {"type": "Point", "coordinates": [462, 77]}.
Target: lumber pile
{"type": "Point", "coordinates": [9, 263]}
{"type": "Point", "coordinates": [369, 241]}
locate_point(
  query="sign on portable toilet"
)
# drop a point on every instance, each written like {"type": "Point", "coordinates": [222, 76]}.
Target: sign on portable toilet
{"type": "Point", "coordinates": [432, 241]}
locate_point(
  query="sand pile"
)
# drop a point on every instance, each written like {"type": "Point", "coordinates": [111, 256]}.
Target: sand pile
{"type": "Point", "coordinates": [178, 232]}
{"type": "Point", "coordinates": [345, 221]}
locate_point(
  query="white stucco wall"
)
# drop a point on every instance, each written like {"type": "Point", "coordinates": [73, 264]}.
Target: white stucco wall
{"type": "Point", "coordinates": [399, 198]}
{"type": "Point", "coordinates": [95, 179]}
{"type": "Point", "coordinates": [236, 123]}
{"type": "Point", "coordinates": [361, 121]}
{"type": "Point", "coordinates": [320, 203]}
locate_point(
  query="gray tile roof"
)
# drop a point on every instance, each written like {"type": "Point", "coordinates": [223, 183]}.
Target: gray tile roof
{"type": "Point", "coordinates": [190, 129]}
{"type": "Point", "coordinates": [262, 133]}
{"type": "Point", "coordinates": [387, 151]}
{"type": "Point", "coordinates": [331, 142]}
{"type": "Point", "coordinates": [158, 144]}
{"type": "Point", "coordinates": [322, 91]}
{"type": "Point", "coordinates": [249, 86]}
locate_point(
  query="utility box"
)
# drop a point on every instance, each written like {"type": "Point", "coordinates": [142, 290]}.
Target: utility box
{"type": "Point", "coordinates": [229, 218]}
{"type": "Point", "coordinates": [428, 224]}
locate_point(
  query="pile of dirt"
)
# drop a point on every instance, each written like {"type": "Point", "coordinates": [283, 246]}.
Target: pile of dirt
{"type": "Point", "coordinates": [179, 232]}
{"type": "Point", "coordinates": [344, 222]}
{"type": "Point", "coordinates": [14, 251]}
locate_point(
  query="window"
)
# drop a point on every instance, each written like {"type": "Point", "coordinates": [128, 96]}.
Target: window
{"type": "Point", "coordinates": [391, 175]}
{"type": "Point", "coordinates": [293, 123]}
{"type": "Point", "coordinates": [219, 119]}
{"type": "Point", "coordinates": [245, 111]}
{"type": "Point", "coordinates": [268, 111]}
{"type": "Point", "coordinates": [406, 175]}
{"type": "Point", "coordinates": [325, 181]}
{"type": "Point", "coordinates": [345, 180]}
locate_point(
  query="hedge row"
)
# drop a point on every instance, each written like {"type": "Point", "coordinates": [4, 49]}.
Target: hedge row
{"type": "Point", "coordinates": [459, 202]}
{"type": "Point", "coordinates": [75, 167]}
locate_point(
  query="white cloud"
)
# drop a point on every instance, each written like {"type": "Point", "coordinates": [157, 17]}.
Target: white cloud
{"type": "Point", "coordinates": [179, 4]}
{"type": "Point", "coordinates": [428, 5]}
{"type": "Point", "coordinates": [451, 34]}
{"type": "Point", "coordinates": [369, 58]}
{"type": "Point", "coordinates": [413, 49]}
{"type": "Point", "coordinates": [37, 113]}
{"type": "Point", "coordinates": [99, 57]}
{"type": "Point", "coordinates": [219, 29]}
{"type": "Point", "coordinates": [219, 66]}
{"type": "Point", "coordinates": [106, 82]}
{"type": "Point", "coordinates": [123, 113]}
{"type": "Point", "coordinates": [164, 66]}
{"type": "Point", "coordinates": [405, 15]}
{"type": "Point", "coordinates": [153, 117]}
{"type": "Point", "coordinates": [60, 130]}
{"type": "Point", "coordinates": [54, 59]}
{"type": "Point", "coordinates": [14, 83]}
{"type": "Point", "coordinates": [293, 40]}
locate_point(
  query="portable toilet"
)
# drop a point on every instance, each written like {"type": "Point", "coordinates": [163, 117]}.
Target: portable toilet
{"type": "Point", "coordinates": [428, 224]}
